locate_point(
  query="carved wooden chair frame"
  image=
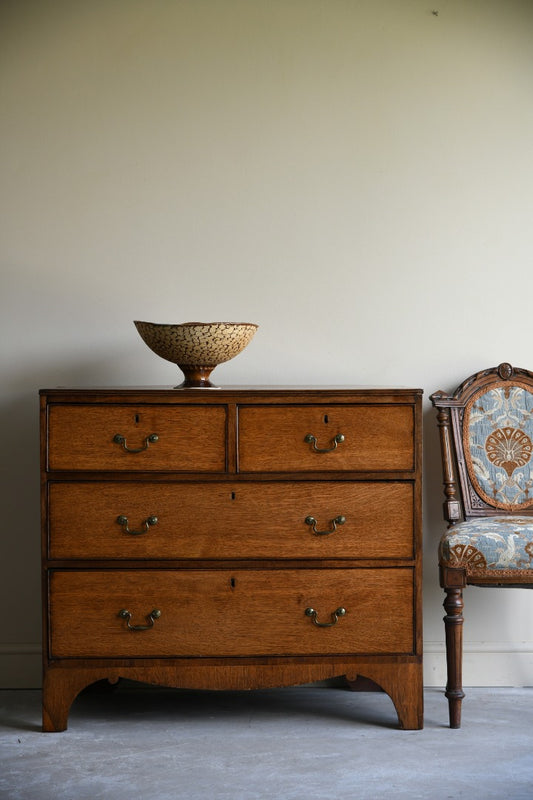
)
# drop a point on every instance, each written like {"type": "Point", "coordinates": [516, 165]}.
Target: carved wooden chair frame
{"type": "Point", "coordinates": [465, 501]}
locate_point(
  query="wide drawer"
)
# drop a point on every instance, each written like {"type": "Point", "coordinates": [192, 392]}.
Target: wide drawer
{"type": "Point", "coordinates": [121, 437]}
{"type": "Point", "coordinates": [326, 438]}
{"type": "Point", "coordinates": [223, 613]}
{"type": "Point", "coordinates": [302, 520]}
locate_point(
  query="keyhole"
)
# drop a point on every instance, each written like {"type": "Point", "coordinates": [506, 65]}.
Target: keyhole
{"type": "Point", "coordinates": [137, 418]}
{"type": "Point", "coordinates": [232, 583]}
{"type": "Point", "coordinates": [233, 495]}
{"type": "Point", "coordinates": [326, 419]}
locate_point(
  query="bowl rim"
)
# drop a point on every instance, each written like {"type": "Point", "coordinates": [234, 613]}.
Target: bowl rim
{"type": "Point", "coordinates": [194, 324]}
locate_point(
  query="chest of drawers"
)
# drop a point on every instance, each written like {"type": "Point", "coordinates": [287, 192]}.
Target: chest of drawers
{"type": "Point", "coordinates": [231, 539]}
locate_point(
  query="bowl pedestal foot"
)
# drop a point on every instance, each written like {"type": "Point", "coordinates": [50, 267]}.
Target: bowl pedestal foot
{"type": "Point", "coordinates": [196, 377]}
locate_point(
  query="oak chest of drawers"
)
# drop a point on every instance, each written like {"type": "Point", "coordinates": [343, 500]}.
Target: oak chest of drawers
{"type": "Point", "coordinates": [231, 539]}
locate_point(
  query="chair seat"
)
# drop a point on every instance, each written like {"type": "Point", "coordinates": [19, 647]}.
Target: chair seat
{"type": "Point", "coordinates": [487, 545]}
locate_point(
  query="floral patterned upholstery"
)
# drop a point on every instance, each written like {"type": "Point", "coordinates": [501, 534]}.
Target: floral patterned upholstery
{"type": "Point", "coordinates": [498, 445]}
{"type": "Point", "coordinates": [489, 543]}
{"type": "Point", "coordinates": [498, 448]}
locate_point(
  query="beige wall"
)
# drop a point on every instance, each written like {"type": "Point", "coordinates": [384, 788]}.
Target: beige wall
{"type": "Point", "coordinates": [354, 175]}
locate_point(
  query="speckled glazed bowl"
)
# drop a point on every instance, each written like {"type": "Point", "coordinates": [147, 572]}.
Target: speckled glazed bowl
{"type": "Point", "coordinates": [196, 347]}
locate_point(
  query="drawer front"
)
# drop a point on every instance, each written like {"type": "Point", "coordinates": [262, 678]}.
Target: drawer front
{"type": "Point", "coordinates": [303, 438]}
{"type": "Point", "coordinates": [85, 437]}
{"type": "Point", "coordinates": [304, 520]}
{"type": "Point", "coordinates": [223, 613]}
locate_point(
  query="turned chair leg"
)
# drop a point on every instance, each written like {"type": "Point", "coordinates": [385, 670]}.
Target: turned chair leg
{"type": "Point", "coordinates": [453, 622]}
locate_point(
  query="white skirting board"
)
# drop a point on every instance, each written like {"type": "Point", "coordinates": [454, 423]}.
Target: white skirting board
{"type": "Point", "coordinates": [484, 664]}
{"type": "Point", "coordinates": [20, 666]}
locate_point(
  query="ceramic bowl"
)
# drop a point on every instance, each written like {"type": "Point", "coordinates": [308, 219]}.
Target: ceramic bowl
{"type": "Point", "coordinates": [196, 347]}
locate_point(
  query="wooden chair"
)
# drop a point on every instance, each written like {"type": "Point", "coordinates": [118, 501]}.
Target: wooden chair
{"type": "Point", "coordinates": [486, 436]}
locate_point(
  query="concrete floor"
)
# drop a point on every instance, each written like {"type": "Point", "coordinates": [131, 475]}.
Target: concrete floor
{"type": "Point", "coordinates": [305, 743]}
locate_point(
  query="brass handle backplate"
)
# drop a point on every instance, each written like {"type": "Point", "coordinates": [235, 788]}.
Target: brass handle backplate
{"type": "Point", "coordinates": [118, 438]}
{"type": "Point", "coordinates": [127, 615]}
{"type": "Point", "coordinates": [339, 612]}
{"type": "Point", "coordinates": [338, 439]}
{"type": "Point", "coordinates": [340, 520]}
{"type": "Point", "coordinates": [124, 523]}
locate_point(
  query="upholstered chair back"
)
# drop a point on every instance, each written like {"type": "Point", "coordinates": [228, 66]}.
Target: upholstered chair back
{"type": "Point", "coordinates": [498, 445]}
{"type": "Point", "coordinates": [487, 438]}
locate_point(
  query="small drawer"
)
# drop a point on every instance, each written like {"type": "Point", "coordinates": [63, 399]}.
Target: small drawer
{"type": "Point", "coordinates": [137, 438]}
{"type": "Point", "coordinates": [230, 613]}
{"type": "Point", "coordinates": [306, 438]}
{"type": "Point", "coordinates": [281, 520]}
